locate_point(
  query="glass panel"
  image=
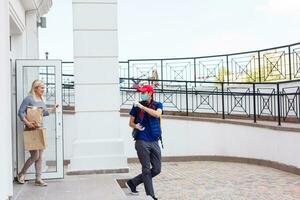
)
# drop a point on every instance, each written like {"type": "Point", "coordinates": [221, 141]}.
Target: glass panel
{"type": "Point", "coordinates": [47, 75]}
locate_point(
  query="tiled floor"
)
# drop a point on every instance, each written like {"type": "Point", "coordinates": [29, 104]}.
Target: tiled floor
{"type": "Point", "coordinates": [178, 181]}
{"type": "Point", "coordinates": [85, 187]}
{"type": "Point", "coordinates": [223, 181]}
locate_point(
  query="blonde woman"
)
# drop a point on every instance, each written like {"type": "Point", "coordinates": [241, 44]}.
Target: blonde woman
{"type": "Point", "coordinates": [35, 98]}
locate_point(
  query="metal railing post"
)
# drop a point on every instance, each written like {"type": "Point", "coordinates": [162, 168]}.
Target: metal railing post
{"type": "Point", "coordinates": [227, 68]}
{"type": "Point", "coordinates": [259, 67]}
{"type": "Point", "coordinates": [187, 98]}
{"type": "Point", "coordinates": [128, 73]}
{"type": "Point", "coordinates": [195, 72]}
{"type": "Point", "coordinates": [254, 103]}
{"type": "Point", "coordinates": [278, 105]}
{"type": "Point", "coordinates": [290, 64]}
{"type": "Point", "coordinates": [223, 102]}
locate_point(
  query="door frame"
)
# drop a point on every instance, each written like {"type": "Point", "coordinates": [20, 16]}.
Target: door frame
{"type": "Point", "coordinates": [19, 65]}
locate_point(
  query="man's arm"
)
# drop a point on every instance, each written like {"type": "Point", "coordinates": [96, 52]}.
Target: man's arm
{"type": "Point", "coordinates": [131, 122]}
{"type": "Point", "coordinates": [133, 125]}
{"type": "Point", "coordinates": [154, 113]}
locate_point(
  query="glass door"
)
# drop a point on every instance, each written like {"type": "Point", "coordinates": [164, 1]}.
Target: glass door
{"type": "Point", "coordinates": [50, 72]}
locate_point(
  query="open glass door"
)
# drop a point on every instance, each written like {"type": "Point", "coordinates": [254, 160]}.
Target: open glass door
{"type": "Point", "coordinates": [49, 71]}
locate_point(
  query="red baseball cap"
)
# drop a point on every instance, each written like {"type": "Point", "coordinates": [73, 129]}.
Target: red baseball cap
{"type": "Point", "coordinates": [146, 88]}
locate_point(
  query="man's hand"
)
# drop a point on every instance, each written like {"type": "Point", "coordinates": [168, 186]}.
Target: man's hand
{"type": "Point", "coordinates": [137, 104]}
{"type": "Point", "coordinates": [139, 127]}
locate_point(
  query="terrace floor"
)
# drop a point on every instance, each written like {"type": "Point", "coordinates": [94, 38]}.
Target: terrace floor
{"type": "Point", "coordinates": [178, 181]}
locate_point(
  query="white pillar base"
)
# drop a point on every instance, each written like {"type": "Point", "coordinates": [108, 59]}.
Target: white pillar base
{"type": "Point", "coordinates": [103, 155]}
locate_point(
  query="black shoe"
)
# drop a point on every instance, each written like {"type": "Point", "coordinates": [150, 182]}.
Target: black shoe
{"type": "Point", "coordinates": [153, 197]}
{"type": "Point", "coordinates": [131, 187]}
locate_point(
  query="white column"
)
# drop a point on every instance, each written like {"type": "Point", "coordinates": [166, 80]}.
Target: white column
{"type": "Point", "coordinates": [98, 144]}
{"type": "Point", "coordinates": [6, 179]}
{"type": "Point", "coordinates": [31, 45]}
{"type": "Point", "coordinates": [32, 36]}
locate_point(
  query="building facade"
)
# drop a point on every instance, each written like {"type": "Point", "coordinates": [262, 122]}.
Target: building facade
{"type": "Point", "coordinates": [19, 40]}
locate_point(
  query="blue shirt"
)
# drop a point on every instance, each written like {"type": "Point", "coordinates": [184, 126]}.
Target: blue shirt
{"type": "Point", "coordinates": [152, 130]}
{"type": "Point", "coordinates": [30, 101]}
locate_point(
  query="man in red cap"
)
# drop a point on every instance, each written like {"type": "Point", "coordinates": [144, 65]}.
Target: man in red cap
{"type": "Point", "coordinates": [145, 120]}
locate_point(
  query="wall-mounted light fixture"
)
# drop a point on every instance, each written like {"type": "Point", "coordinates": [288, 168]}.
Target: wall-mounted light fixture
{"type": "Point", "coordinates": [42, 22]}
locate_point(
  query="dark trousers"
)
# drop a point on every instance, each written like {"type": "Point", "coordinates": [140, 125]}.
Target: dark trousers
{"type": "Point", "coordinates": [149, 155]}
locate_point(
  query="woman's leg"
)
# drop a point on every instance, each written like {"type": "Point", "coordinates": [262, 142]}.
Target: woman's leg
{"type": "Point", "coordinates": [34, 156]}
{"type": "Point", "coordinates": [38, 170]}
{"type": "Point", "coordinates": [38, 165]}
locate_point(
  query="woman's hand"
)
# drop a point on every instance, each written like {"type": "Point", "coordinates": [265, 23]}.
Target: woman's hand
{"type": "Point", "coordinates": [55, 106]}
{"type": "Point", "coordinates": [52, 110]}
{"type": "Point", "coordinates": [30, 125]}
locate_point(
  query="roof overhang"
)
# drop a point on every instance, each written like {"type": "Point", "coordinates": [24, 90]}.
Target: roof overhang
{"type": "Point", "coordinates": [42, 6]}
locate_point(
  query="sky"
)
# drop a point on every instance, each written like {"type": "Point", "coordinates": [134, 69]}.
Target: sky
{"type": "Point", "coordinates": [183, 28]}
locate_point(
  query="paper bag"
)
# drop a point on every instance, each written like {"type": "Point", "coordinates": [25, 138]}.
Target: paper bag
{"type": "Point", "coordinates": [35, 115]}
{"type": "Point", "coordinates": [35, 139]}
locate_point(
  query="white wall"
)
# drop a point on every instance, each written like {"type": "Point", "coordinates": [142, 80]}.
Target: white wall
{"type": "Point", "coordinates": [187, 138]}
{"type": "Point", "coordinates": [6, 189]}
{"type": "Point", "coordinates": [182, 138]}
{"type": "Point", "coordinates": [69, 135]}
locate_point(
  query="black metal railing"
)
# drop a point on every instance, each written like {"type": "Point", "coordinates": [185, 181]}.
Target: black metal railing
{"type": "Point", "coordinates": [267, 101]}
{"type": "Point", "coordinates": [47, 75]}
{"type": "Point", "coordinates": [261, 84]}
{"type": "Point", "coordinates": [68, 89]}
{"type": "Point", "coordinates": [257, 101]}
{"type": "Point", "coordinates": [68, 84]}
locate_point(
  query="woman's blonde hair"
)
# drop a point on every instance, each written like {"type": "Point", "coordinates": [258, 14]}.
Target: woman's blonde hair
{"type": "Point", "coordinates": [35, 84]}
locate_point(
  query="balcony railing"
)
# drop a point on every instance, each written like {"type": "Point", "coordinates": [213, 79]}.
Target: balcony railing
{"type": "Point", "coordinates": [273, 101]}
{"type": "Point", "coordinates": [262, 84]}
{"type": "Point", "coordinates": [266, 101]}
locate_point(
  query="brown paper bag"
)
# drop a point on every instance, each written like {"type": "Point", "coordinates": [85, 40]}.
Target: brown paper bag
{"type": "Point", "coordinates": [35, 139]}
{"type": "Point", "coordinates": [35, 115]}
